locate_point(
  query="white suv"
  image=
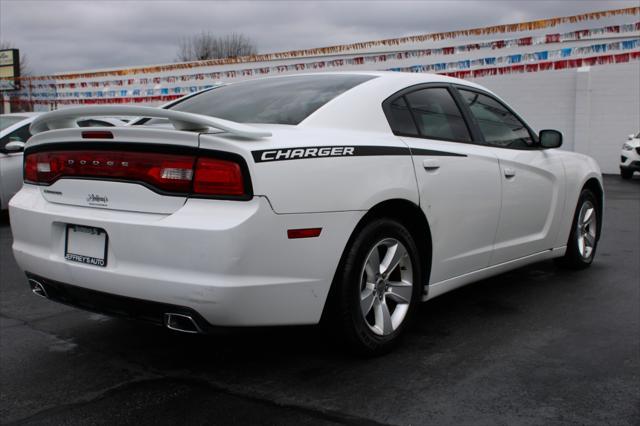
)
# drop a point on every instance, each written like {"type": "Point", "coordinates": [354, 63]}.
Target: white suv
{"type": "Point", "coordinates": [630, 157]}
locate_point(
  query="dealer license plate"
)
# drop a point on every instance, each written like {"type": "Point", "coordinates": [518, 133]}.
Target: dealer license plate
{"type": "Point", "coordinates": [86, 244]}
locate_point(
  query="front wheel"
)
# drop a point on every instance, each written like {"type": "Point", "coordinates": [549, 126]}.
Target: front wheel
{"type": "Point", "coordinates": [378, 287]}
{"type": "Point", "coordinates": [583, 240]}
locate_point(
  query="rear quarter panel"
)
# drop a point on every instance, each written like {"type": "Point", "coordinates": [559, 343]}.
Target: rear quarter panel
{"type": "Point", "coordinates": [325, 183]}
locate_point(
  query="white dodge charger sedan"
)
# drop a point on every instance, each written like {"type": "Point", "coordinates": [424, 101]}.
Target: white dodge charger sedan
{"type": "Point", "coordinates": [342, 197]}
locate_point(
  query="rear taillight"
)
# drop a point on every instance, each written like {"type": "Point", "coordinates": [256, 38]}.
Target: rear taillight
{"type": "Point", "coordinates": [169, 173]}
{"type": "Point", "coordinates": [218, 177]}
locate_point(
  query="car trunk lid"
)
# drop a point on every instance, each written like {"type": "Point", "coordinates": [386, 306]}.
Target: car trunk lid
{"type": "Point", "coordinates": [134, 169]}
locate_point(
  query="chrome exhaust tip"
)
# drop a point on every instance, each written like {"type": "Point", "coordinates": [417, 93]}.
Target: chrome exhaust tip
{"type": "Point", "coordinates": [37, 288]}
{"type": "Point", "coordinates": [182, 323]}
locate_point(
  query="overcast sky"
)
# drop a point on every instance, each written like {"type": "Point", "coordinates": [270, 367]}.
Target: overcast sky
{"type": "Point", "coordinates": [82, 34]}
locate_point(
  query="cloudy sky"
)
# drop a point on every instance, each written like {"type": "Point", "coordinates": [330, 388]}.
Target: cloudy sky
{"type": "Point", "coordinates": [82, 34]}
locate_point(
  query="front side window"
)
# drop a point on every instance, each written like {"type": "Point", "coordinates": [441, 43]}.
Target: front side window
{"type": "Point", "coordinates": [282, 100]}
{"type": "Point", "coordinates": [498, 125]}
{"type": "Point", "coordinates": [437, 115]}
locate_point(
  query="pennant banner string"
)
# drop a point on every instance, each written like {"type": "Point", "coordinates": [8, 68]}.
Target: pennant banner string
{"type": "Point", "coordinates": [373, 58]}
{"type": "Point", "coordinates": [496, 29]}
{"type": "Point", "coordinates": [83, 89]}
{"type": "Point", "coordinates": [562, 64]}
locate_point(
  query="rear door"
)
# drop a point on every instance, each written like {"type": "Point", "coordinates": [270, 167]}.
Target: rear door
{"type": "Point", "coordinates": [532, 179]}
{"type": "Point", "coordinates": [459, 181]}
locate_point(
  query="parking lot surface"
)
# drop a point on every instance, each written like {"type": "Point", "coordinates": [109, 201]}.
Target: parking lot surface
{"type": "Point", "coordinates": [538, 345]}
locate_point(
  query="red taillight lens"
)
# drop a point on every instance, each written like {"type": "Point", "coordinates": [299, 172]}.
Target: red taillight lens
{"type": "Point", "coordinates": [218, 177]}
{"type": "Point", "coordinates": [181, 174]}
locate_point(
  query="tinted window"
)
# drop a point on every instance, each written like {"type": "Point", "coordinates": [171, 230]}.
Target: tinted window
{"type": "Point", "coordinates": [400, 118]}
{"type": "Point", "coordinates": [499, 126]}
{"type": "Point", "coordinates": [282, 100]}
{"type": "Point", "coordinates": [437, 115]}
{"type": "Point", "coordinates": [94, 123]}
{"type": "Point", "coordinates": [21, 134]}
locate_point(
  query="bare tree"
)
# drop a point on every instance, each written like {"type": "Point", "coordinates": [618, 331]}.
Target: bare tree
{"type": "Point", "coordinates": [208, 46]}
{"type": "Point", "coordinates": [24, 64]}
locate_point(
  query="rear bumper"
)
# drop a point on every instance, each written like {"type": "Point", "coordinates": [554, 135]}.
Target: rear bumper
{"type": "Point", "coordinates": [114, 305]}
{"type": "Point", "coordinates": [228, 261]}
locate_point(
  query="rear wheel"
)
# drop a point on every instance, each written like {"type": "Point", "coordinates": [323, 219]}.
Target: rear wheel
{"type": "Point", "coordinates": [378, 288]}
{"type": "Point", "coordinates": [626, 174]}
{"type": "Point", "coordinates": [583, 240]}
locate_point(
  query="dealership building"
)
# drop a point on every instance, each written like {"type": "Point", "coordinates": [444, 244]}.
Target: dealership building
{"type": "Point", "coordinates": [579, 74]}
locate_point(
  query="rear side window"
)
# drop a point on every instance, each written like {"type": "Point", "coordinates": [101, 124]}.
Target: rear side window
{"type": "Point", "coordinates": [429, 113]}
{"type": "Point", "coordinates": [437, 115]}
{"type": "Point", "coordinates": [498, 125]}
{"type": "Point", "coordinates": [282, 100]}
{"type": "Point", "coordinates": [400, 118]}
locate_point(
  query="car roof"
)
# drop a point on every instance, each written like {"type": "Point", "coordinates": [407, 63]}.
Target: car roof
{"type": "Point", "coordinates": [360, 108]}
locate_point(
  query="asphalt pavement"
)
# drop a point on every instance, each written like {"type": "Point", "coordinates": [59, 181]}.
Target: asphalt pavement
{"type": "Point", "coordinates": [536, 346]}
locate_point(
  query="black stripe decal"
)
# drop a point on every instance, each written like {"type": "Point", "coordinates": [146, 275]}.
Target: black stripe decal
{"type": "Point", "coordinates": [419, 151]}
{"type": "Point", "coordinates": [308, 152]}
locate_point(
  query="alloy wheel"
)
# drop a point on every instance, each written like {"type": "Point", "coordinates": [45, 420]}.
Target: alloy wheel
{"type": "Point", "coordinates": [586, 230]}
{"type": "Point", "coordinates": [386, 286]}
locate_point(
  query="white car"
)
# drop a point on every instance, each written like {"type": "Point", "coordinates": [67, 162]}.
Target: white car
{"type": "Point", "coordinates": [14, 133]}
{"type": "Point", "coordinates": [630, 157]}
{"type": "Point", "coordinates": [342, 197]}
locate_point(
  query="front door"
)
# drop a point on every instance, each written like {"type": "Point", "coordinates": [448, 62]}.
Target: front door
{"type": "Point", "coordinates": [532, 180]}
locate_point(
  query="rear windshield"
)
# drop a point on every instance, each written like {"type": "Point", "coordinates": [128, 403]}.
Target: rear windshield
{"type": "Point", "coordinates": [282, 100]}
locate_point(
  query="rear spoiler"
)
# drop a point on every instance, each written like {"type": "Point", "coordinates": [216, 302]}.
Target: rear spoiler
{"type": "Point", "coordinates": [67, 117]}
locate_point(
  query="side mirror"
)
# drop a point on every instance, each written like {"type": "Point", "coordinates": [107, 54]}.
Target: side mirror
{"type": "Point", "coordinates": [631, 137]}
{"type": "Point", "coordinates": [550, 138]}
{"type": "Point", "coordinates": [14, 146]}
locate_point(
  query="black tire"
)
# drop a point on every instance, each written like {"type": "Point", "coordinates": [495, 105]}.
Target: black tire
{"type": "Point", "coordinates": [345, 313]}
{"type": "Point", "coordinates": [573, 257]}
{"type": "Point", "coordinates": [626, 174]}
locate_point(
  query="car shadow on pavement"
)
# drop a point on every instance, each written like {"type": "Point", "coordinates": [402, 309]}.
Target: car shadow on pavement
{"type": "Point", "coordinates": [460, 313]}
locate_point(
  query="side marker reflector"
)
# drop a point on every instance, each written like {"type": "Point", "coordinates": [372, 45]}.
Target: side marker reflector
{"type": "Point", "coordinates": [303, 233]}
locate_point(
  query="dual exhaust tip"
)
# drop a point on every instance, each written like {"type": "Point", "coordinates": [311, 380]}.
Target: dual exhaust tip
{"type": "Point", "coordinates": [182, 323]}
{"type": "Point", "coordinates": [37, 288]}
{"type": "Point", "coordinates": [176, 322]}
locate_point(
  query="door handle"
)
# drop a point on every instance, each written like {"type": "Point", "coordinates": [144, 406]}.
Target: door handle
{"type": "Point", "coordinates": [509, 172]}
{"type": "Point", "coordinates": [431, 165]}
